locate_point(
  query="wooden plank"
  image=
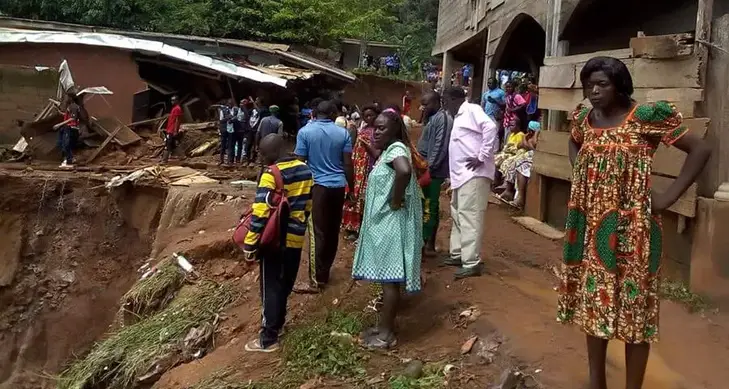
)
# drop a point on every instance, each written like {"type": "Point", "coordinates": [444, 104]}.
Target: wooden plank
{"type": "Point", "coordinates": [559, 99]}
{"type": "Point", "coordinates": [662, 46]}
{"type": "Point", "coordinates": [655, 73]}
{"type": "Point", "coordinates": [667, 160]}
{"type": "Point", "coordinates": [552, 165]}
{"type": "Point", "coordinates": [198, 126]}
{"type": "Point", "coordinates": [124, 137]}
{"type": "Point", "coordinates": [536, 196]}
{"type": "Point", "coordinates": [539, 227]}
{"type": "Point", "coordinates": [557, 166]}
{"type": "Point", "coordinates": [580, 58]}
{"type": "Point", "coordinates": [686, 204]}
{"type": "Point", "coordinates": [147, 121]}
{"type": "Point", "coordinates": [560, 76]}
{"type": "Point", "coordinates": [670, 94]}
{"type": "Point", "coordinates": [567, 99]}
{"type": "Point", "coordinates": [553, 142]}
{"type": "Point", "coordinates": [103, 145]}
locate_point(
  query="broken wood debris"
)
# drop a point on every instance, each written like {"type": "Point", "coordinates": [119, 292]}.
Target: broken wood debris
{"type": "Point", "coordinates": [199, 126]}
{"type": "Point", "coordinates": [103, 145]}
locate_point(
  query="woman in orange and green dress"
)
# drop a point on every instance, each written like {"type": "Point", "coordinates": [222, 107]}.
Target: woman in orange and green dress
{"type": "Point", "coordinates": [612, 253]}
{"type": "Point", "coordinates": [363, 159]}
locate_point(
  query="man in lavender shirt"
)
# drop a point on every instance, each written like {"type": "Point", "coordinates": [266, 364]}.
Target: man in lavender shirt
{"type": "Point", "coordinates": [474, 140]}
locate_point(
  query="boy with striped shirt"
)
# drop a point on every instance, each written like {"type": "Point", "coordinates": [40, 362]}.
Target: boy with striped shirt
{"type": "Point", "coordinates": [279, 266]}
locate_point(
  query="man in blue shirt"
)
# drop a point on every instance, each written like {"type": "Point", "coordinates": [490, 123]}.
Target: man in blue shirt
{"type": "Point", "coordinates": [494, 99]}
{"type": "Point", "coordinates": [466, 71]}
{"type": "Point", "coordinates": [327, 149]}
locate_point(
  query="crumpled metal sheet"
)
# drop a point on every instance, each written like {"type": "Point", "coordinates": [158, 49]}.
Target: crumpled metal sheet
{"type": "Point", "coordinates": [8, 35]}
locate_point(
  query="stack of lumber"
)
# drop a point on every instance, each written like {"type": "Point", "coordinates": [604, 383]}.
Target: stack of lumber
{"type": "Point", "coordinates": [663, 68]}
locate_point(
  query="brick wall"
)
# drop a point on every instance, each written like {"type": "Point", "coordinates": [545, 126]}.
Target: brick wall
{"type": "Point", "coordinates": [90, 66]}
{"type": "Point", "coordinates": [22, 91]}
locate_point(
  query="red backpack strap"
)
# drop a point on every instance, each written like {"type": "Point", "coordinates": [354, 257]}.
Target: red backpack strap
{"type": "Point", "coordinates": [276, 173]}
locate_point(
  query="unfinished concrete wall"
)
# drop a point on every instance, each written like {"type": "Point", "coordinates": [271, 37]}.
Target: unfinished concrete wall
{"type": "Point", "coordinates": [90, 66]}
{"type": "Point", "coordinates": [452, 16]}
{"type": "Point", "coordinates": [22, 90]}
{"type": "Point", "coordinates": [607, 26]}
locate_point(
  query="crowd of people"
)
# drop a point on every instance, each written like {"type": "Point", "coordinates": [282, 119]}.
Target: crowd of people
{"type": "Point", "coordinates": [383, 189]}
{"type": "Point", "coordinates": [388, 64]}
{"type": "Point", "coordinates": [514, 109]}
{"type": "Point", "coordinates": [364, 175]}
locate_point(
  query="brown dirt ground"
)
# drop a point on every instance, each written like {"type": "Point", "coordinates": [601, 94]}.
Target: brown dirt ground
{"type": "Point", "coordinates": [111, 237]}
{"type": "Point", "coordinates": [74, 255]}
{"type": "Point", "coordinates": [517, 301]}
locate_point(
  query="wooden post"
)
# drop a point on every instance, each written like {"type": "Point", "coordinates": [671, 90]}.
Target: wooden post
{"type": "Point", "coordinates": [536, 197]}
{"type": "Point", "coordinates": [703, 33]}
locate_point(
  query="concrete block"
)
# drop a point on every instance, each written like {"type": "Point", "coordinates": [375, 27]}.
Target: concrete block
{"type": "Point", "coordinates": [710, 251]}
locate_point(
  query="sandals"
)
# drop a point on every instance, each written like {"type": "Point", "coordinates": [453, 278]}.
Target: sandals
{"type": "Point", "coordinates": [374, 342]}
{"type": "Point", "coordinates": [307, 288]}
{"type": "Point", "coordinates": [369, 332]}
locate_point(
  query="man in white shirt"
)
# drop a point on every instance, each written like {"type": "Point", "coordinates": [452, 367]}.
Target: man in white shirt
{"type": "Point", "coordinates": [471, 150]}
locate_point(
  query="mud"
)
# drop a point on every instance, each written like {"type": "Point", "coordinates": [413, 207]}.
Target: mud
{"type": "Point", "coordinates": [69, 252]}
{"type": "Point", "coordinates": [70, 249]}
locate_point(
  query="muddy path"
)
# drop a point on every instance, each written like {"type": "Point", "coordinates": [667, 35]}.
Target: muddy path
{"type": "Point", "coordinates": [517, 302]}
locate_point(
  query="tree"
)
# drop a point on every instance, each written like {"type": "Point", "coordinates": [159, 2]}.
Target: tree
{"type": "Point", "coordinates": [409, 23]}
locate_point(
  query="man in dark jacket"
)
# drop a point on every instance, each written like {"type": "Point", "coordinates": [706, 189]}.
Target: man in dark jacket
{"type": "Point", "coordinates": [433, 146]}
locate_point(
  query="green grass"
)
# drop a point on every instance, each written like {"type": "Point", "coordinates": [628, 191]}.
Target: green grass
{"type": "Point", "coordinates": [312, 351]}
{"type": "Point", "coordinates": [133, 351]}
{"type": "Point", "coordinates": [317, 348]}
{"type": "Point", "coordinates": [153, 293]}
{"type": "Point", "coordinates": [678, 291]}
{"type": "Point", "coordinates": [432, 378]}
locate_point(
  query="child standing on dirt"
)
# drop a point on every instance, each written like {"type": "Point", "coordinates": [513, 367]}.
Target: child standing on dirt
{"type": "Point", "coordinates": [279, 266]}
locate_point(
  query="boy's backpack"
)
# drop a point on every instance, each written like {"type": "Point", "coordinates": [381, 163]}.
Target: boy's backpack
{"type": "Point", "coordinates": [271, 236]}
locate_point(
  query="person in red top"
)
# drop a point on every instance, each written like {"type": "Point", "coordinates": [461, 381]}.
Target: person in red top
{"type": "Point", "coordinates": [68, 130]}
{"type": "Point", "coordinates": [407, 101]}
{"type": "Point", "coordinates": [173, 128]}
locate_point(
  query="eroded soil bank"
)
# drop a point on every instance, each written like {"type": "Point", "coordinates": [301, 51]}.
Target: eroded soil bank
{"type": "Point", "coordinates": [69, 249]}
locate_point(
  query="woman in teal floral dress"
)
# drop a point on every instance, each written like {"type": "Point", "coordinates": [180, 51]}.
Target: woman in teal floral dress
{"type": "Point", "coordinates": [612, 252]}
{"type": "Point", "coordinates": [390, 242]}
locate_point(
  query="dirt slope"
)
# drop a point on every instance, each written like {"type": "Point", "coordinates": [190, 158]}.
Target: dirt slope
{"type": "Point", "coordinates": [517, 302]}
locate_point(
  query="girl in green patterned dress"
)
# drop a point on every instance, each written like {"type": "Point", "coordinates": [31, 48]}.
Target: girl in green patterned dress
{"type": "Point", "coordinates": [612, 253]}
{"type": "Point", "coordinates": [390, 241]}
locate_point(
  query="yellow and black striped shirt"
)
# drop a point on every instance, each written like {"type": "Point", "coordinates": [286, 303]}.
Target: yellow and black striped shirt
{"type": "Point", "coordinates": [298, 182]}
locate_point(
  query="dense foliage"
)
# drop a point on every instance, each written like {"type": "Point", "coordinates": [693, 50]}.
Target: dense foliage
{"type": "Point", "coordinates": [410, 23]}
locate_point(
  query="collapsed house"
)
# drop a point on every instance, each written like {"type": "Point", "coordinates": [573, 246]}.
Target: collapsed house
{"type": "Point", "coordinates": [143, 70]}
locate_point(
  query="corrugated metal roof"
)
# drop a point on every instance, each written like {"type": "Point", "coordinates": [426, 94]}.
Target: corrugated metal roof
{"type": "Point", "coordinates": [279, 50]}
{"type": "Point", "coordinates": [287, 72]}
{"type": "Point", "coordinates": [9, 36]}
